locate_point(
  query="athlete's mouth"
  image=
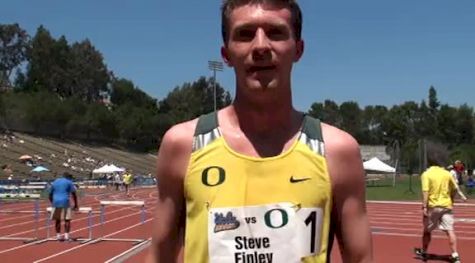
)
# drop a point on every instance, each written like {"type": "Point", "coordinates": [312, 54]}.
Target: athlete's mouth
{"type": "Point", "coordinates": [260, 68]}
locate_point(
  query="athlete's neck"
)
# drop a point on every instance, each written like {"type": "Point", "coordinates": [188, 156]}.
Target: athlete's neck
{"type": "Point", "coordinates": [259, 133]}
{"type": "Point", "coordinates": [262, 110]}
{"type": "Point", "coordinates": [263, 119]}
{"type": "Point", "coordinates": [276, 124]}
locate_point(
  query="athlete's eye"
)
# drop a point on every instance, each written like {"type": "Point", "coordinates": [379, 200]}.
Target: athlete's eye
{"type": "Point", "coordinates": [244, 34]}
{"type": "Point", "coordinates": [277, 33]}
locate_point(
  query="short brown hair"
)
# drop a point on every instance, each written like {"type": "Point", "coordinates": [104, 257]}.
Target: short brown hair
{"type": "Point", "coordinates": [436, 154]}
{"type": "Point", "coordinates": [230, 5]}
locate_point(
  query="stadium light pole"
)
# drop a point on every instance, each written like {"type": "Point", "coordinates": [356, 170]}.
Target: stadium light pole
{"type": "Point", "coordinates": [397, 154]}
{"type": "Point", "coordinates": [215, 66]}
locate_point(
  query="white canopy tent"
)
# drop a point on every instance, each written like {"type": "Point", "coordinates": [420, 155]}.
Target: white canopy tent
{"type": "Point", "coordinates": [107, 169]}
{"type": "Point", "coordinates": [374, 165]}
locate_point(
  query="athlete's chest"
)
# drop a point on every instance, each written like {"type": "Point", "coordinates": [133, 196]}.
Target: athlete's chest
{"type": "Point", "coordinates": [258, 147]}
{"type": "Point", "coordinates": [223, 179]}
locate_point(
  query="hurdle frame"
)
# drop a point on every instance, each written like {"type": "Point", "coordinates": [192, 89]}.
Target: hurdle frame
{"type": "Point", "coordinates": [83, 210]}
{"type": "Point", "coordinates": [103, 203]}
{"type": "Point", "coordinates": [35, 212]}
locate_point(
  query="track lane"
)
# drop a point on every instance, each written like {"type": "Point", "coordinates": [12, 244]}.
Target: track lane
{"type": "Point", "coordinates": [119, 214]}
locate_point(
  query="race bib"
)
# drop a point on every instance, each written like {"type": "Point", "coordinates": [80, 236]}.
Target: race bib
{"type": "Point", "coordinates": [279, 233]}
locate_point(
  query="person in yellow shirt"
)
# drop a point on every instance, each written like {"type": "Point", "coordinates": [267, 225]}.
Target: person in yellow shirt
{"type": "Point", "coordinates": [127, 179]}
{"type": "Point", "coordinates": [438, 190]}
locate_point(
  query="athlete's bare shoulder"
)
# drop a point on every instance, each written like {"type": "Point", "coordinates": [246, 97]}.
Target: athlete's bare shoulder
{"type": "Point", "coordinates": [180, 135]}
{"type": "Point", "coordinates": [348, 183]}
{"type": "Point", "coordinates": [172, 162]}
{"type": "Point", "coordinates": [175, 150]}
{"type": "Point", "coordinates": [338, 141]}
{"type": "Point", "coordinates": [342, 153]}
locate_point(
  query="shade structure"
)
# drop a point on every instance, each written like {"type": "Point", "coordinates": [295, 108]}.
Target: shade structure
{"type": "Point", "coordinates": [107, 169]}
{"type": "Point", "coordinates": [39, 169]}
{"type": "Point", "coordinates": [376, 165]}
{"type": "Point", "coordinates": [25, 157]}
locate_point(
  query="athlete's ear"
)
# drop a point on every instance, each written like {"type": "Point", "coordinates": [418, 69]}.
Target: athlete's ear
{"type": "Point", "coordinates": [225, 55]}
{"type": "Point", "coordinates": [300, 46]}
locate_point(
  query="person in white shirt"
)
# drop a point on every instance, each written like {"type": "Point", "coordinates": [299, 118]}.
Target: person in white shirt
{"type": "Point", "coordinates": [456, 176]}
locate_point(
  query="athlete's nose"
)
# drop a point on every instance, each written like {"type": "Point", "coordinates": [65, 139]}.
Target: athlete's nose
{"type": "Point", "coordinates": [261, 46]}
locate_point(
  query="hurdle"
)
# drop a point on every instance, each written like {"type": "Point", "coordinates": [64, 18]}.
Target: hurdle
{"type": "Point", "coordinates": [92, 186]}
{"type": "Point", "coordinates": [103, 204]}
{"type": "Point", "coordinates": [33, 187]}
{"type": "Point", "coordinates": [35, 212]}
{"type": "Point", "coordinates": [8, 187]}
{"type": "Point", "coordinates": [82, 210]}
{"type": "Point", "coordinates": [38, 183]}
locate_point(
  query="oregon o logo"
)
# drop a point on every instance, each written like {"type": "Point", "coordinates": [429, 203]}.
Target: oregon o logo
{"type": "Point", "coordinates": [283, 213]}
{"type": "Point", "coordinates": [210, 179]}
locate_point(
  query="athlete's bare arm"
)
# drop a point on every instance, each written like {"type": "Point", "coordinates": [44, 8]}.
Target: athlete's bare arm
{"type": "Point", "coordinates": [457, 190]}
{"type": "Point", "coordinates": [347, 175]}
{"type": "Point", "coordinates": [172, 163]}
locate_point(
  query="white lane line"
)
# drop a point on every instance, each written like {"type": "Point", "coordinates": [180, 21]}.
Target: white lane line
{"type": "Point", "coordinates": [42, 220]}
{"type": "Point", "coordinates": [419, 235]}
{"type": "Point", "coordinates": [413, 203]}
{"type": "Point", "coordinates": [378, 229]}
{"type": "Point", "coordinates": [80, 229]}
{"type": "Point", "coordinates": [130, 252]}
{"type": "Point", "coordinates": [42, 208]}
{"type": "Point", "coordinates": [148, 211]}
{"type": "Point", "coordinates": [85, 244]}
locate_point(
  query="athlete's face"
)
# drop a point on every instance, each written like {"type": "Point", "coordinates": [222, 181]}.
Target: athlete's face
{"type": "Point", "coordinates": [261, 46]}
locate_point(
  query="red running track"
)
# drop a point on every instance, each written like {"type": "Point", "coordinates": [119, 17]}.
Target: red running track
{"type": "Point", "coordinates": [396, 231]}
{"type": "Point", "coordinates": [120, 222]}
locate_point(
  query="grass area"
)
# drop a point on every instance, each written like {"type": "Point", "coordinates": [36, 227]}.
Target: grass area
{"type": "Point", "coordinates": [403, 190]}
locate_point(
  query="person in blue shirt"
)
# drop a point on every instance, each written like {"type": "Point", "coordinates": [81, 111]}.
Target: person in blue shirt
{"type": "Point", "coordinates": [59, 194]}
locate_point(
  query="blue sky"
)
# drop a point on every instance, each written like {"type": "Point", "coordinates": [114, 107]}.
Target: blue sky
{"type": "Point", "coordinates": [369, 51]}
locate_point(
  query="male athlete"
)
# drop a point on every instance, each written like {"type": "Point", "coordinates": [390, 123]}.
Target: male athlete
{"type": "Point", "coordinates": [128, 179]}
{"type": "Point", "coordinates": [259, 181]}
{"type": "Point", "coordinates": [59, 193]}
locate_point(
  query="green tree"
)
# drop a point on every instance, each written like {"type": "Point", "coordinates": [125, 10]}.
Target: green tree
{"type": "Point", "coordinates": [61, 81]}
{"type": "Point", "coordinates": [351, 119]}
{"type": "Point", "coordinates": [14, 43]}
{"type": "Point", "coordinates": [425, 121]}
{"type": "Point", "coordinates": [76, 70]}
{"type": "Point", "coordinates": [331, 113]}
{"type": "Point", "coordinates": [41, 68]}
{"type": "Point", "coordinates": [2, 108]}
{"type": "Point", "coordinates": [20, 80]}
{"type": "Point", "coordinates": [77, 125]}
{"type": "Point", "coordinates": [316, 110]}
{"type": "Point", "coordinates": [372, 119]}
{"type": "Point", "coordinates": [193, 99]}
{"type": "Point", "coordinates": [463, 124]}
{"type": "Point", "coordinates": [433, 101]}
{"type": "Point", "coordinates": [446, 131]}
{"type": "Point", "coordinates": [89, 75]}
{"type": "Point", "coordinates": [101, 123]}
{"type": "Point", "coordinates": [409, 157]}
{"type": "Point", "coordinates": [400, 122]}
{"type": "Point", "coordinates": [124, 91]}
{"type": "Point", "coordinates": [137, 126]}
{"type": "Point", "coordinates": [41, 112]}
